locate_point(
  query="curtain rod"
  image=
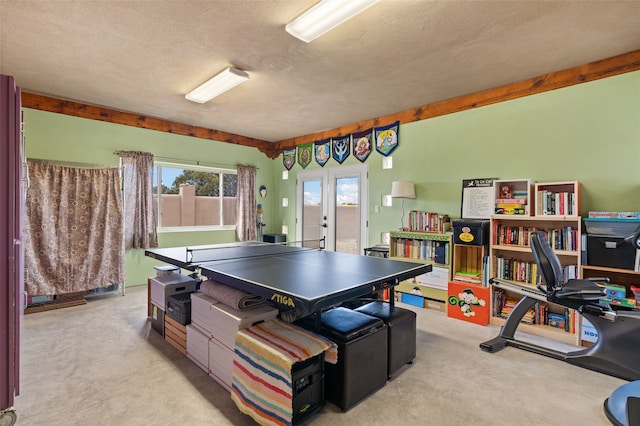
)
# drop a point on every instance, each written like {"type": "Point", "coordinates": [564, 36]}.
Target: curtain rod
{"type": "Point", "coordinates": [193, 162]}
{"type": "Point", "coordinates": [73, 164]}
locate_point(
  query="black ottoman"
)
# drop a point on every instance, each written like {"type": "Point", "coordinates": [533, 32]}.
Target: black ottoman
{"type": "Point", "coordinates": [362, 356]}
{"type": "Point", "coordinates": [401, 328]}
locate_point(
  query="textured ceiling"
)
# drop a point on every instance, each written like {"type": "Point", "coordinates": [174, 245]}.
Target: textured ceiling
{"type": "Point", "coordinates": [143, 56]}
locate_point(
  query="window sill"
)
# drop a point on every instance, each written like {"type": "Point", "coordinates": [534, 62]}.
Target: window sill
{"type": "Point", "coordinates": [171, 229]}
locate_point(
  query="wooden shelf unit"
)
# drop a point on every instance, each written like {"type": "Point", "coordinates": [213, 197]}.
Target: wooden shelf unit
{"type": "Point", "coordinates": [557, 199]}
{"type": "Point", "coordinates": [468, 261]}
{"type": "Point", "coordinates": [625, 277]}
{"type": "Point", "coordinates": [420, 247]}
{"type": "Point", "coordinates": [518, 189]}
{"type": "Point", "coordinates": [509, 246]}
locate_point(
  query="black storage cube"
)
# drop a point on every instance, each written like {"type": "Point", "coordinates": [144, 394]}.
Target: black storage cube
{"type": "Point", "coordinates": [179, 308]}
{"type": "Point", "coordinates": [612, 252]}
{"type": "Point", "coordinates": [307, 379]}
{"type": "Point", "coordinates": [473, 232]}
{"type": "Point", "coordinates": [401, 329]}
{"type": "Point", "coordinates": [362, 356]}
{"type": "Point", "coordinates": [274, 238]}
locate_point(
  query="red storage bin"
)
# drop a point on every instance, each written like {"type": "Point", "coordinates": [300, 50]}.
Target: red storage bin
{"type": "Point", "coordinates": [468, 302]}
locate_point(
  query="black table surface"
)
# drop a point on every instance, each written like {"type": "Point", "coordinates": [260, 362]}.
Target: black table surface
{"type": "Point", "coordinates": [292, 277]}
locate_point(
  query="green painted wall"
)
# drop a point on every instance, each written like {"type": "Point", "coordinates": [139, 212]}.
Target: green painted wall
{"type": "Point", "coordinates": [589, 132]}
{"type": "Point", "coordinates": [64, 138]}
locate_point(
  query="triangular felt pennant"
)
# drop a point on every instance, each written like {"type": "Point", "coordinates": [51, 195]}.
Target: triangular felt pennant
{"type": "Point", "coordinates": [305, 154]}
{"type": "Point", "coordinates": [289, 158]}
{"type": "Point", "coordinates": [361, 142]}
{"type": "Point", "coordinates": [340, 148]}
{"type": "Point", "coordinates": [323, 152]}
{"type": "Point", "coordinates": [386, 138]}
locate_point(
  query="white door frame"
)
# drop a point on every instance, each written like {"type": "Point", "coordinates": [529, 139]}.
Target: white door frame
{"type": "Point", "coordinates": [328, 178]}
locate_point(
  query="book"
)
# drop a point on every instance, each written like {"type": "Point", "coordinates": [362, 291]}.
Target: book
{"type": "Point", "coordinates": [500, 210]}
{"type": "Point", "coordinates": [556, 320]}
{"type": "Point", "coordinates": [614, 215]}
{"type": "Point", "coordinates": [510, 205]}
{"type": "Point", "coordinates": [511, 200]}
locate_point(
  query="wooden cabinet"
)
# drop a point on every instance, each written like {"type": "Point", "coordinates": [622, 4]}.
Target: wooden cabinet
{"type": "Point", "coordinates": [425, 247]}
{"type": "Point", "coordinates": [511, 259]}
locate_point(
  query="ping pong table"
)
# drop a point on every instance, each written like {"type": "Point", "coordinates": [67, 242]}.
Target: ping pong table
{"type": "Point", "coordinates": [291, 277]}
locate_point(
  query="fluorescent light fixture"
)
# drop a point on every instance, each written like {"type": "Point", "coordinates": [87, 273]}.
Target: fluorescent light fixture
{"type": "Point", "coordinates": [325, 16]}
{"type": "Point", "coordinates": [217, 85]}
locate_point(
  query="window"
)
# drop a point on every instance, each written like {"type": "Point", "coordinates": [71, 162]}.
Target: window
{"type": "Point", "coordinates": [194, 197]}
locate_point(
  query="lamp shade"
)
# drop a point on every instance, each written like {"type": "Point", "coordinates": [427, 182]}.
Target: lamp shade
{"type": "Point", "coordinates": [403, 189]}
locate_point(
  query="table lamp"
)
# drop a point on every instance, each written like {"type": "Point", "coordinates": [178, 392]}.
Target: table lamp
{"type": "Point", "coordinates": [403, 189]}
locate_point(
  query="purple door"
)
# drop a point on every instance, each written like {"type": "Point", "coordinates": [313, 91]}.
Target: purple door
{"type": "Point", "coordinates": [12, 191]}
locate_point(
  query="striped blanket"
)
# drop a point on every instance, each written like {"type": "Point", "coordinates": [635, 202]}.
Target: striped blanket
{"type": "Point", "coordinates": [264, 355]}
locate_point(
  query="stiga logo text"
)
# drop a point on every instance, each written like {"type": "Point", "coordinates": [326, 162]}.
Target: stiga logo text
{"type": "Point", "coordinates": [283, 300]}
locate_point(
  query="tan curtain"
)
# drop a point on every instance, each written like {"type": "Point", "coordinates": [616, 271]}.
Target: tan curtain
{"type": "Point", "coordinates": [140, 209]}
{"type": "Point", "coordinates": [246, 204]}
{"type": "Point", "coordinates": [73, 229]}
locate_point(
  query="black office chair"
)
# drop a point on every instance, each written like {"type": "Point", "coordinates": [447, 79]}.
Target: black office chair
{"type": "Point", "coordinates": [616, 350]}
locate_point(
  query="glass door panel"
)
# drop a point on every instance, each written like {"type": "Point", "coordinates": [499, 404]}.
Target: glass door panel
{"type": "Point", "coordinates": [312, 213]}
{"type": "Point", "coordinates": [331, 204]}
{"type": "Point", "coordinates": [347, 214]}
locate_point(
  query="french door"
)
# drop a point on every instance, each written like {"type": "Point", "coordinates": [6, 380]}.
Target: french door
{"type": "Point", "coordinates": [332, 204]}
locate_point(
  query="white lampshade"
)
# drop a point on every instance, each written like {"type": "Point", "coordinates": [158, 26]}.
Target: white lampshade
{"type": "Point", "coordinates": [403, 189]}
{"type": "Point", "coordinates": [217, 85]}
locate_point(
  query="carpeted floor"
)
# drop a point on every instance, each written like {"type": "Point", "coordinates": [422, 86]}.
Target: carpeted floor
{"type": "Point", "coordinates": [101, 364]}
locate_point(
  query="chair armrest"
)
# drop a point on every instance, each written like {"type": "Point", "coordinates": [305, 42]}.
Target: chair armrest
{"type": "Point", "coordinates": [580, 289]}
{"type": "Point", "coordinates": [599, 280]}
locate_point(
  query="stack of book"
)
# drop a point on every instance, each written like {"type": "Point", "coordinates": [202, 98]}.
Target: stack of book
{"type": "Point", "coordinates": [510, 201]}
{"type": "Point", "coordinates": [429, 222]}
{"type": "Point", "coordinates": [507, 307]}
{"type": "Point", "coordinates": [435, 251]}
{"type": "Point", "coordinates": [468, 277]}
{"type": "Point", "coordinates": [556, 203]}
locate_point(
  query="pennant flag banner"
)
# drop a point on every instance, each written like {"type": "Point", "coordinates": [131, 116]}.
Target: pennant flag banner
{"type": "Point", "coordinates": [361, 145]}
{"type": "Point", "coordinates": [305, 154]}
{"type": "Point", "coordinates": [386, 138]}
{"type": "Point", "coordinates": [340, 148]}
{"type": "Point", "coordinates": [323, 152]}
{"type": "Point", "coordinates": [289, 158]}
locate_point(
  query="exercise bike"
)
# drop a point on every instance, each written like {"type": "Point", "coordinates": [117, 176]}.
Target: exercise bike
{"type": "Point", "coordinates": [615, 352]}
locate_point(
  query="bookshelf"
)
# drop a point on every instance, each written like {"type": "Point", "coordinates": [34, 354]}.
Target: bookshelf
{"type": "Point", "coordinates": [511, 259]}
{"type": "Point", "coordinates": [435, 248]}
{"type": "Point", "coordinates": [625, 277]}
{"type": "Point", "coordinates": [468, 263]}
{"type": "Point", "coordinates": [557, 198]}
{"type": "Point", "coordinates": [514, 197]}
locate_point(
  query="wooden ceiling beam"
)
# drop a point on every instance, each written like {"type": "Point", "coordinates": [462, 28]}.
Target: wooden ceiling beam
{"type": "Point", "coordinates": [596, 70]}
{"type": "Point", "coordinates": [620, 64]}
{"type": "Point", "coordinates": [92, 112]}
